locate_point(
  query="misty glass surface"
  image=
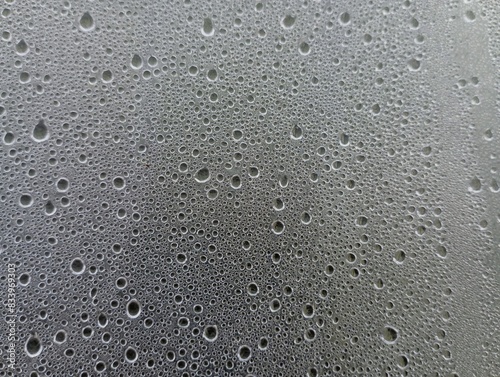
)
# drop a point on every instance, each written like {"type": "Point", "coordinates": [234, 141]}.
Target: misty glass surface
{"type": "Point", "coordinates": [243, 188]}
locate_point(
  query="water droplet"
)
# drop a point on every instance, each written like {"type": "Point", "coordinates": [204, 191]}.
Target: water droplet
{"type": "Point", "coordinates": [236, 182]}
{"type": "Point", "coordinates": [413, 65]}
{"type": "Point", "coordinates": [118, 183]}
{"type": "Point", "coordinates": [296, 133]}
{"type": "Point", "coordinates": [50, 209]}
{"type": "Point", "coordinates": [212, 75]}
{"type": "Point", "coordinates": [202, 175]}
{"type": "Point", "coordinates": [210, 333]}
{"type": "Point", "coordinates": [283, 181]}
{"type": "Point", "coordinates": [469, 16]}
{"type": "Point", "coordinates": [244, 353]}
{"type": "Point", "coordinates": [131, 355]}
{"type": "Point", "coordinates": [87, 22]}
{"type": "Point", "coordinates": [8, 138]}
{"type": "Point", "coordinates": [288, 21]}
{"type": "Point", "coordinates": [441, 251]}
{"type": "Point", "coordinates": [305, 218]}
{"type": "Point", "coordinates": [136, 62]}
{"type": "Point", "coordinates": [133, 309]}
{"type": "Point", "coordinates": [26, 200]}
{"type": "Point", "coordinates": [253, 172]}
{"type": "Point", "coordinates": [475, 185]}
{"type": "Point", "coordinates": [212, 194]}
{"type": "Point", "coordinates": [22, 48]}
{"type": "Point", "coordinates": [390, 335]}
{"type": "Point", "coordinates": [361, 221]}
{"type": "Point", "coordinates": [60, 337]}
{"type": "Point", "coordinates": [308, 311]}
{"type": "Point", "coordinates": [107, 76]}
{"type": "Point", "coordinates": [62, 185]}
{"type": "Point", "coordinates": [33, 346]}
{"type": "Point", "coordinates": [252, 289]}
{"type": "Point", "coordinates": [193, 70]}
{"type": "Point", "coordinates": [77, 266]}
{"type": "Point", "coordinates": [208, 27]}
{"type": "Point", "coordinates": [399, 257]}
{"type": "Point", "coordinates": [278, 227]}
{"type": "Point", "coordinates": [304, 48]}
{"type": "Point", "coordinates": [40, 132]}
{"type": "Point", "coordinates": [278, 204]}
{"type": "Point", "coordinates": [344, 139]}
{"type": "Point", "coordinates": [345, 19]}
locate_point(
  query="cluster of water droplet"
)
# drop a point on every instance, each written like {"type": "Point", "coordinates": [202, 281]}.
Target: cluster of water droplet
{"type": "Point", "coordinates": [219, 189]}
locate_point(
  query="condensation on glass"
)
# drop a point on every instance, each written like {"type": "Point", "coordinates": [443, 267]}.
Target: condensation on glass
{"type": "Point", "coordinates": [275, 188]}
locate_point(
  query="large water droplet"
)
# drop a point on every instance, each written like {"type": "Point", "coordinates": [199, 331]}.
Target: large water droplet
{"type": "Point", "coordinates": [288, 21]}
{"type": "Point", "coordinates": [33, 346]}
{"type": "Point", "coordinates": [22, 48]}
{"type": "Point", "coordinates": [40, 132]}
{"type": "Point", "coordinates": [208, 27]}
{"type": "Point", "coordinates": [87, 22]}
{"type": "Point", "coordinates": [202, 175]}
{"type": "Point", "coordinates": [136, 62]}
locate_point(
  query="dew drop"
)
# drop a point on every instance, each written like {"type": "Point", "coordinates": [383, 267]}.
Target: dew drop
{"type": "Point", "coordinates": [278, 204]}
{"type": "Point", "coordinates": [107, 76]}
{"type": "Point", "coordinates": [345, 18]}
{"type": "Point", "coordinates": [288, 21]}
{"type": "Point", "coordinates": [253, 172]}
{"type": "Point", "coordinates": [40, 132]}
{"type": "Point", "coordinates": [87, 22]}
{"type": "Point", "coordinates": [304, 48]}
{"type": "Point", "coordinates": [130, 355]}
{"type": "Point", "coordinates": [133, 309]}
{"type": "Point", "coordinates": [413, 65]}
{"type": "Point", "coordinates": [26, 200]}
{"type": "Point", "coordinates": [278, 227]}
{"type": "Point", "coordinates": [296, 133]}
{"type": "Point", "coordinates": [50, 209]}
{"type": "Point", "coordinates": [60, 337]}
{"type": "Point", "coordinates": [441, 251]}
{"type": "Point", "coordinates": [305, 218]}
{"type": "Point", "coordinates": [210, 333]}
{"type": "Point", "coordinates": [202, 175]}
{"type": "Point", "coordinates": [22, 48]}
{"type": "Point", "coordinates": [235, 182]}
{"type": "Point", "coordinates": [208, 27]}
{"type": "Point", "coordinates": [475, 185]}
{"type": "Point", "coordinates": [136, 62]}
{"type": "Point", "coordinates": [389, 335]}
{"type": "Point", "coordinates": [212, 75]}
{"type": "Point", "coordinates": [118, 183]}
{"type": "Point", "coordinates": [77, 266]}
{"type": "Point", "coordinates": [361, 221]}
{"type": "Point", "coordinates": [212, 194]}
{"type": "Point", "coordinates": [244, 353]}
{"type": "Point", "coordinates": [470, 16]}
{"type": "Point", "coordinates": [33, 346]}
{"type": "Point", "coordinates": [62, 185]}
{"type": "Point", "coordinates": [8, 138]}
